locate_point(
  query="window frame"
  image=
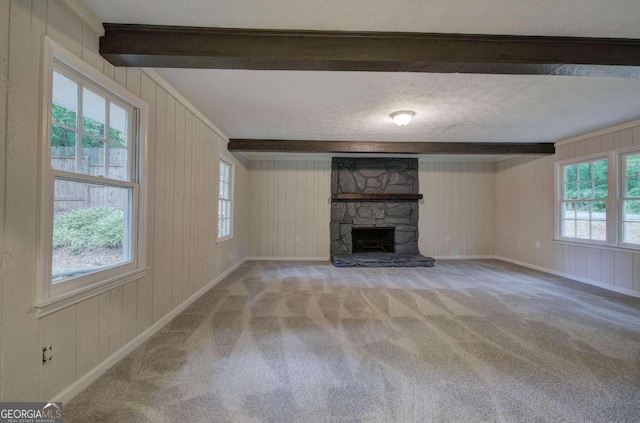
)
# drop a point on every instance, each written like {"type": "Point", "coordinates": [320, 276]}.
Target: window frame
{"type": "Point", "coordinates": [615, 201]}
{"type": "Point", "coordinates": [51, 296]}
{"type": "Point", "coordinates": [622, 174]}
{"type": "Point", "coordinates": [610, 201]}
{"type": "Point", "coordinates": [230, 200]}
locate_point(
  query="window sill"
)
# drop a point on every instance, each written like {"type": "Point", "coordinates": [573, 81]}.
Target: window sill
{"type": "Point", "coordinates": [602, 246]}
{"type": "Point", "coordinates": [51, 305]}
{"type": "Point", "coordinates": [224, 240]}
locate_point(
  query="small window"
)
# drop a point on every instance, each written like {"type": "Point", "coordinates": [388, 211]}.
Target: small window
{"type": "Point", "coordinates": [631, 198]}
{"type": "Point", "coordinates": [225, 192]}
{"type": "Point", "coordinates": [585, 191]}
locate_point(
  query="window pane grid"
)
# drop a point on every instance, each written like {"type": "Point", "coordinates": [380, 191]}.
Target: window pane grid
{"type": "Point", "coordinates": [224, 199]}
{"type": "Point", "coordinates": [104, 150]}
{"type": "Point", "coordinates": [631, 199]}
{"type": "Point", "coordinates": [583, 205]}
{"type": "Point", "coordinates": [93, 221]}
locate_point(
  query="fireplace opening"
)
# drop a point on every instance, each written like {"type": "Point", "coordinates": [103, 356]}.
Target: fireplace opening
{"type": "Point", "coordinates": [373, 240]}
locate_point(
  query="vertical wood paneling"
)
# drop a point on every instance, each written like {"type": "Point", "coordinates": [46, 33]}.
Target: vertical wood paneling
{"type": "Point", "coordinates": [187, 286]}
{"type": "Point", "coordinates": [607, 266]}
{"type": "Point", "coordinates": [134, 81]}
{"type": "Point", "coordinates": [169, 186]}
{"type": "Point", "coordinates": [90, 48]}
{"type": "Point", "coordinates": [289, 199]}
{"type": "Point", "coordinates": [581, 261]}
{"type": "Point", "coordinates": [594, 269]}
{"type": "Point", "coordinates": [58, 330]}
{"type": "Point", "coordinates": [129, 313]}
{"type": "Point", "coordinates": [458, 202]}
{"type": "Point", "coordinates": [87, 333]}
{"type": "Point", "coordinates": [145, 285]}
{"type": "Point", "coordinates": [104, 312]}
{"type": "Point", "coordinates": [158, 226]}
{"type": "Point", "coordinates": [63, 27]}
{"type": "Point", "coordinates": [623, 271]}
{"type": "Point", "coordinates": [88, 330]}
{"type": "Point", "coordinates": [592, 145]}
{"type": "Point", "coordinates": [115, 320]}
{"type": "Point", "coordinates": [636, 135]}
{"type": "Point", "coordinates": [636, 272]}
{"type": "Point", "coordinates": [178, 205]}
{"type": "Point", "coordinates": [4, 74]}
{"type": "Point", "coordinates": [120, 76]}
{"type": "Point", "coordinates": [20, 382]}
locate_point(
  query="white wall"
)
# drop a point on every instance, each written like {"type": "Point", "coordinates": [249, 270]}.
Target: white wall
{"type": "Point", "coordinates": [456, 216]}
{"type": "Point", "coordinates": [290, 208]}
{"type": "Point", "coordinates": [525, 214]}
{"type": "Point", "coordinates": [182, 254]}
{"type": "Point", "coordinates": [290, 198]}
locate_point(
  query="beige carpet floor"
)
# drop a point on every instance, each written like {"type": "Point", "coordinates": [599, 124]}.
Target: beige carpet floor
{"type": "Point", "coordinates": [465, 341]}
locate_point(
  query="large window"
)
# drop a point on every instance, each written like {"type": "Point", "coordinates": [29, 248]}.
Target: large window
{"type": "Point", "coordinates": [584, 200]}
{"type": "Point", "coordinates": [225, 192]}
{"type": "Point", "coordinates": [91, 178]}
{"type": "Point", "coordinates": [599, 199]}
{"type": "Point", "coordinates": [631, 198]}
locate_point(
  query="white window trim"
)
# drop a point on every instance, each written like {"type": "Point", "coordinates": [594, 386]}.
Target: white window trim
{"type": "Point", "coordinates": [611, 199]}
{"type": "Point", "coordinates": [620, 192]}
{"type": "Point", "coordinates": [94, 283]}
{"type": "Point", "coordinates": [614, 199]}
{"type": "Point", "coordinates": [229, 237]}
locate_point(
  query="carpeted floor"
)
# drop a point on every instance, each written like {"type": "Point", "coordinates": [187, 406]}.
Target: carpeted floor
{"type": "Point", "coordinates": [465, 341]}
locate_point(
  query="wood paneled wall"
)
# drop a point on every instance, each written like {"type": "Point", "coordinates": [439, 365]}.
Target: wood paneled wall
{"type": "Point", "coordinates": [525, 215]}
{"type": "Point", "coordinates": [456, 215]}
{"type": "Point", "coordinates": [290, 208]}
{"type": "Point", "coordinates": [181, 250]}
{"type": "Point", "coordinates": [4, 90]}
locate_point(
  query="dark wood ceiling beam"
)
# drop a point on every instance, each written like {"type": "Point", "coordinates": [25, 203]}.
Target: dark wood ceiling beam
{"type": "Point", "coordinates": [218, 48]}
{"type": "Point", "coordinates": [295, 146]}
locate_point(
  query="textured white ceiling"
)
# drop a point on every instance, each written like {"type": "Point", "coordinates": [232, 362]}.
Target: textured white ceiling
{"type": "Point", "coordinates": [585, 18]}
{"type": "Point", "coordinates": [356, 106]}
{"type": "Point", "coordinates": [449, 107]}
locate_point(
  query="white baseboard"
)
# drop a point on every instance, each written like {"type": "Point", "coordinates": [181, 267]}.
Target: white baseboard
{"type": "Point", "coordinates": [471, 257]}
{"type": "Point", "coordinates": [608, 287]}
{"type": "Point", "coordinates": [287, 259]}
{"type": "Point", "coordinates": [76, 387]}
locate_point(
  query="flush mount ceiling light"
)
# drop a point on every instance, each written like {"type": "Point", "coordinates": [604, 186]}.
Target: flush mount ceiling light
{"type": "Point", "coordinates": [402, 117]}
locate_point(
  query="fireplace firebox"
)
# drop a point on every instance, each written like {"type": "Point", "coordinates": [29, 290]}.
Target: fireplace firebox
{"type": "Point", "coordinates": [373, 240]}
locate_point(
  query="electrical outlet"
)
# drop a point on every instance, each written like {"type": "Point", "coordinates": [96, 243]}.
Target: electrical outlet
{"type": "Point", "coordinates": [47, 353]}
{"type": "Point", "coordinates": [537, 244]}
{"type": "Point", "coordinates": [297, 238]}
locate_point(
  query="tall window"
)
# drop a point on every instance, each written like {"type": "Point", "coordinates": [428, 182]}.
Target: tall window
{"type": "Point", "coordinates": [224, 199]}
{"type": "Point", "coordinates": [91, 178]}
{"type": "Point", "coordinates": [631, 198]}
{"type": "Point", "coordinates": [584, 200]}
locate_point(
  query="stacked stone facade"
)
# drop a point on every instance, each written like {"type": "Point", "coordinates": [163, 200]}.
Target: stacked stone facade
{"type": "Point", "coordinates": [374, 176]}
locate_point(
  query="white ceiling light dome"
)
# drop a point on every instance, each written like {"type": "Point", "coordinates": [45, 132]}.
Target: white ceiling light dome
{"type": "Point", "coordinates": [402, 117]}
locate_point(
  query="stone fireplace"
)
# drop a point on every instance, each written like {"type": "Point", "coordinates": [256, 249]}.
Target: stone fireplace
{"type": "Point", "coordinates": [374, 207]}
